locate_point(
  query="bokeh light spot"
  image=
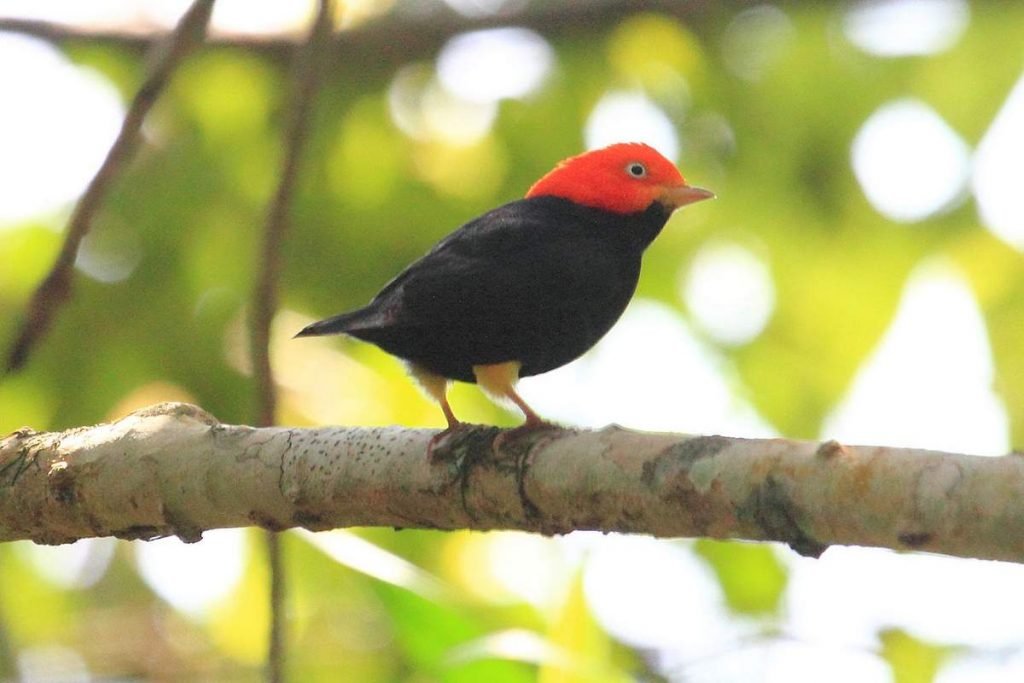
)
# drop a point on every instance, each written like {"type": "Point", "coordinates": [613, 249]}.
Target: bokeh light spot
{"type": "Point", "coordinates": [653, 594]}
{"type": "Point", "coordinates": [999, 171]}
{"type": "Point", "coordinates": [730, 292]}
{"type": "Point", "coordinates": [110, 252]}
{"type": "Point", "coordinates": [655, 50]}
{"type": "Point", "coordinates": [75, 565]}
{"type": "Point", "coordinates": [193, 577]}
{"type": "Point", "coordinates": [425, 110]}
{"type": "Point", "coordinates": [929, 382]}
{"type": "Point", "coordinates": [527, 565]}
{"type": "Point", "coordinates": [486, 8]}
{"type": "Point", "coordinates": [466, 172]}
{"type": "Point", "coordinates": [884, 589]}
{"type": "Point", "coordinates": [46, 663]}
{"type": "Point", "coordinates": [56, 125]}
{"type": "Point", "coordinates": [649, 372]}
{"type": "Point", "coordinates": [631, 117]}
{"type": "Point", "coordinates": [909, 162]}
{"type": "Point", "coordinates": [755, 39]}
{"type": "Point", "coordinates": [487, 66]}
{"type": "Point", "coordinates": [896, 28]}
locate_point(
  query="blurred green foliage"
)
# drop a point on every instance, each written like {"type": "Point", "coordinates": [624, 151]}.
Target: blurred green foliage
{"type": "Point", "coordinates": [912, 660]}
{"type": "Point", "coordinates": [184, 222]}
{"type": "Point", "coordinates": [752, 577]}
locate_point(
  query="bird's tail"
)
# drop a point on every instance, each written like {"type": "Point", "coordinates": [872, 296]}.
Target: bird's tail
{"type": "Point", "coordinates": [344, 323]}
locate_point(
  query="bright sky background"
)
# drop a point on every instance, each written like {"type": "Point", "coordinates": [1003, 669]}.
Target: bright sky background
{"type": "Point", "coordinates": [928, 383]}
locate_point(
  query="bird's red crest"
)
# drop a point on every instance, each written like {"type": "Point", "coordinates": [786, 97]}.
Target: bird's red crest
{"type": "Point", "coordinates": [623, 178]}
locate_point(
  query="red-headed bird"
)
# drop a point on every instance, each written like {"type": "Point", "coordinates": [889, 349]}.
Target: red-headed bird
{"type": "Point", "coordinates": [529, 286]}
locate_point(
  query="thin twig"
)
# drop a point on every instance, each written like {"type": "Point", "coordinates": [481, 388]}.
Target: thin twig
{"type": "Point", "coordinates": [264, 300]}
{"type": "Point", "coordinates": [401, 37]}
{"type": "Point", "coordinates": [276, 635]}
{"type": "Point", "coordinates": [55, 289]}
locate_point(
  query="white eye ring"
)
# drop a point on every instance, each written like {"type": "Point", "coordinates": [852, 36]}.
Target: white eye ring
{"type": "Point", "coordinates": [636, 169]}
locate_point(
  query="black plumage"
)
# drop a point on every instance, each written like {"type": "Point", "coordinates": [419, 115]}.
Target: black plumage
{"type": "Point", "coordinates": [536, 281]}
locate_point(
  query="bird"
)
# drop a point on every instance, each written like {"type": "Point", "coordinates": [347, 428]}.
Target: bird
{"type": "Point", "coordinates": [528, 286]}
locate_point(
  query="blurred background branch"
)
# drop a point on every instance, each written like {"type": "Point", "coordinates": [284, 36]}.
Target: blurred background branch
{"type": "Point", "coordinates": [55, 288]}
{"type": "Point", "coordinates": [309, 62]}
{"type": "Point", "coordinates": [415, 30]}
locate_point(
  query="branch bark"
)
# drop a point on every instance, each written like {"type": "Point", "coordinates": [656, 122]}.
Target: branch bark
{"type": "Point", "coordinates": [173, 469]}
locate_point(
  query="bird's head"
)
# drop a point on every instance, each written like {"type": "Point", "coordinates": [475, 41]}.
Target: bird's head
{"type": "Point", "coordinates": [622, 178]}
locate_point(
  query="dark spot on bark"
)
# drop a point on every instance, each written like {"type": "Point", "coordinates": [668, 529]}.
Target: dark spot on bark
{"type": "Point", "coordinates": [61, 483]}
{"type": "Point", "coordinates": [188, 534]}
{"type": "Point", "coordinates": [265, 521]}
{"type": "Point", "coordinates": [681, 456]}
{"type": "Point", "coordinates": [48, 538]}
{"type": "Point", "coordinates": [914, 539]}
{"type": "Point", "coordinates": [309, 520]}
{"type": "Point", "coordinates": [771, 508]}
{"type": "Point", "coordinates": [184, 530]}
{"type": "Point", "coordinates": [139, 532]}
{"type": "Point", "coordinates": [668, 476]}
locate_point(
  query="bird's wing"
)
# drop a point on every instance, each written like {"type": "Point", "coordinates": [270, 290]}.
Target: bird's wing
{"type": "Point", "coordinates": [506, 269]}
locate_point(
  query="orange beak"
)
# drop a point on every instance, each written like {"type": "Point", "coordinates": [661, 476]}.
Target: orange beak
{"type": "Point", "coordinates": [676, 196]}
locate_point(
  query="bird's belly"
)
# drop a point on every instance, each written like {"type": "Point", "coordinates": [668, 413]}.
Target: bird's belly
{"type": "Point", "coordinates": [540, 337]}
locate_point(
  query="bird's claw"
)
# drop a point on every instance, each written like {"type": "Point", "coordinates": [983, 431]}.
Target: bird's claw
{"type": "Point", "coordinates": [434, 455]}
{"type": "Point", "coordinates": [509, 436]}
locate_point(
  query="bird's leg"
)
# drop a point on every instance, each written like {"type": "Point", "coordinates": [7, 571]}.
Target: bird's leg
{"type": "Point", "coordinates": [449, 416]}
{"type": "Point", "coordinates": [499, 380]}
{"type": "Point", "coordinates": [436, 387]}
{"type": "Point", "coordinates": [453, 425]}
{"type": "Point", "coordinates": [532, 418]}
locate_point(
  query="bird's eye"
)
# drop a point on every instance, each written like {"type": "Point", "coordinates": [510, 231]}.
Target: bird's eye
{"type": "Point", "coordinates": [636, 169]}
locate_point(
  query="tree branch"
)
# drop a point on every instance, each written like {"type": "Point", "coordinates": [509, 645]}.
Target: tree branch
{"type": "Point", "coordinates": [55, 289]}
{"type": "Point", "coordinates": [173, 469]}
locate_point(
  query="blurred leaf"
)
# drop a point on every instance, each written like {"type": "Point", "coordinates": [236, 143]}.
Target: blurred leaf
{"type": "Point", "coordinates": [27, 255]}
{"type": "Point", "coordinates": [752, 577]}
{"type": "Point", "coordinates": [587, 648]}
{"type": "Point", "coordinates": [655, 51]}
{"type": "Point", "coordinates": [912, 660]}
{"type": "Point", "coordinates": [427, 632]}
{"type": "Point", "coordinates": [35, 609]}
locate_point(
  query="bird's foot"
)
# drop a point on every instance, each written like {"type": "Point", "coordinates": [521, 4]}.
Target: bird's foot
{"type": "Point", "coordinates": [508, 437]}
{"type": "Point", "coordinates": [436, 454]}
